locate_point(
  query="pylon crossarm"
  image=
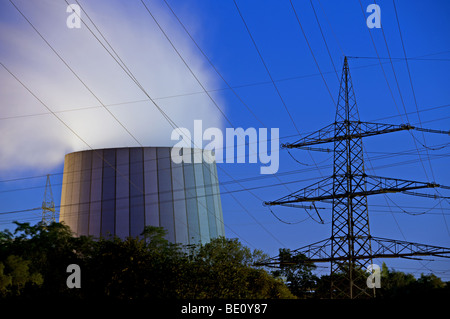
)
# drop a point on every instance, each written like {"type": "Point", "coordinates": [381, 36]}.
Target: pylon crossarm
{"type": "Point", "coordinates": [380, 184]}
{"type": "Point", "coordinates": [323, 189]}
{"type": "Point", "coordinates": [381, 248]}
{"type": "Point", "coordinates": [318, 137]}
{"type": "Point", "coordinates": [389, 248]}
{"type": "Point", "coordinates": [357, 129]}
{"type": "Point", "coordinates": [318, 250]}
{"type": "Point", "coordinates": [311, 193]}
{"type": "Point", "coordinates": [428, 130]}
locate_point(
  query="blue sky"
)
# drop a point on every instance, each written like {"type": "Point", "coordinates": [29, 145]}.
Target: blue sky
{"type": "Point", "coordinates": [33, 141]}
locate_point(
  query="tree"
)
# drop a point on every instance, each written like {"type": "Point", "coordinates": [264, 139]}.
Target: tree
{"type": "Point", "coordinates": [396, 284]}
{"type": "Point", "coordinates": [46, 250]}
{"type": "Point", "coordinates": [15, 275]}
{"type": "Point", "coordinates": [297, 272]}
{"type": "Point", "coordinates": [223, 268]}
{"type": "Point", "coordinates": [34, 259]}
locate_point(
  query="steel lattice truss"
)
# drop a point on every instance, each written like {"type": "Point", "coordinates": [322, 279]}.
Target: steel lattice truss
{"type": "Point", "coordinates": [323, 189]}
{"type": "Point", "coordinates": [381, 248]}
{"type": "Point", "coordinates": [48, 205]}
{"type": "Point", "coordinates": [357, 129]}
{"type": "Point", "coordinates": [351, 248]}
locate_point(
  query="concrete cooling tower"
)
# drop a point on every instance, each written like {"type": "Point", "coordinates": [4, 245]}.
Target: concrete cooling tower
{"type": "Point", "coordinates": [118, 191]}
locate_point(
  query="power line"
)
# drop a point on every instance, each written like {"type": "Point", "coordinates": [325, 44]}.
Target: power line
{"type": "Point", "coordinates": [350, 244]}
{"type": "Point", "coordinates": [414, 97]}
{"type": "Point", "coordinates": [171, 122]}
{"type": "Point", "coordinates": [264, 186]}
{"type": "Point", "coordinates": [298, 20]}
{"type": "Point", "coordinates": [202, 92]}
{"type": "Point", "coordinates": [382, 155]}
{"type": "Point", "coordinates": [209, 61]}
{"type": "Point", "coordinates": [402, 59]}
{"type": "Point", "coordinates": [65, 124]}
{"type": "Point", "coordinates": [271, 78]}
{"type": "Point", "coordinates": [324, 40]}
{"type": "Point", "coordinates": [398, 87]}
{"type": "Point", "coordinates": [212, 65]}
{"type": "Point", "coordinates": [331, 28]}
{"type": "Point", "coordinates": [415, 100]}
{"type": "Point", "coordinates": [74, 73]}
{"type": "Point", "coordinates": [185, 63]}
{"type": "Point", "coordinates": [217, 106]}
{"type": "Point", "coordinates": [311, 50]}
{"type": "Point", "coordinates": [266, 68]}
{"type": "Point", "coordinates": [190, 70]}
{"type": "Point", "coordinates": [295, 135]}
{"type": "Point", "coordinates": [401, 98]}
{"type": "Point", "coordinates": [393, 98]}
{"type": "Point", "coordinates": [208, 96]}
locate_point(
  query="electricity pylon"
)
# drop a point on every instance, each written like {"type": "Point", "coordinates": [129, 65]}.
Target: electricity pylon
{"type": "Point", "coordinates": [351, 248]}
{"type": "Point", "coordinates": [48, 205]}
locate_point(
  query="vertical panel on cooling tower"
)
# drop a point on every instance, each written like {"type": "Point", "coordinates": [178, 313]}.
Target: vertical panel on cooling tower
{"type": "Point", "coordinates": [75, 190]}
{"type": "Point", "coordinates": [108, 192]}
{"type": "Point", "coordinates": [208, 179]}
{"type": "Point", "coordinates": [85, 193]}
{"type": "Point", "coordinates": [122, 218]}
{"type": "Point", "coordinates": [191, 203]}
{"type": "Point", "coordinates": [165, 193]}
{"type": "Point", "coordinates": [137, 219]}
{"type": "Point", "coordinates": [65, 196]}
{"type": "Point", "coordinates": [201, 201]}
{"type": "Point", "coordinates": [151, 187]}
{"type": "Point", "coordinates": [179, 204]}
{"type": "Point", "coordinates": [96, 194]}
{"type": "Point", "coordinates": [218, 204]}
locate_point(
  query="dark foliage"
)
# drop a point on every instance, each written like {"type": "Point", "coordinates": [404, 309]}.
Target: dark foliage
{"type": "Point", "coordinates": [34, 259]}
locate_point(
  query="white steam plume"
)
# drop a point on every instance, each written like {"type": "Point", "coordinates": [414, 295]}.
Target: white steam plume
{"type": "Point", "coordinates": [40, 141]}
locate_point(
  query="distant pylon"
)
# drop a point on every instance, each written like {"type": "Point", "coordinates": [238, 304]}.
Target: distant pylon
{"type": "Point", "coordinates": [48, 205]}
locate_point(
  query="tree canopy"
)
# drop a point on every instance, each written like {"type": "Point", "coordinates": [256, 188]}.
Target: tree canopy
{"type": "Point", "coordinates": [34, 260]}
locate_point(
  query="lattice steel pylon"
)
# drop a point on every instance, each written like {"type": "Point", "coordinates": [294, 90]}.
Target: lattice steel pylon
{"type": "Point", "coordinates": [351, 248]}
{"type": "Point", "coordinates": [350, 221]}
{"type": "Point", "coordinates": [48, 204]}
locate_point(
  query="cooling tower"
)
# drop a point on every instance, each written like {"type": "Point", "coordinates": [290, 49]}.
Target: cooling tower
{"type": "Point", "coordinates": [118, 191]}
